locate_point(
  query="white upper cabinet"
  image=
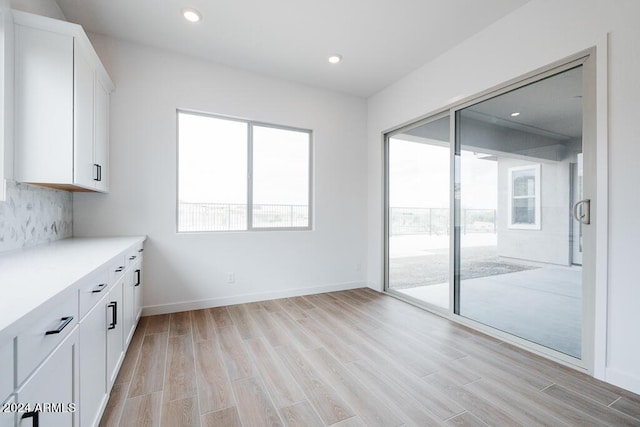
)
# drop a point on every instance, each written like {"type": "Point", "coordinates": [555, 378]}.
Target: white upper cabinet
{"type": "Point", "coordinates": [6, 98]}
{"type": "Point", "coordinates": [44, 152]}
{"type": "Point", "coordinates": [101, 134]}
{"type": "Point", "coordinates": [61, 106]}
{"type": "Point", "coordinates": [83, 88]}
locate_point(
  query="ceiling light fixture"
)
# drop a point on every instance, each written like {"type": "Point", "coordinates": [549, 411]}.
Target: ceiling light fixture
{"type": "Point", "coordinates": [516, 114]}
{"type": "Point", "coordinates": [191, 15]}
{"type": "Point", "coordinates": [334, 59]}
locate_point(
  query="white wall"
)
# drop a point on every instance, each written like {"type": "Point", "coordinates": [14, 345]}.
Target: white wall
{"type": "Point", "coordinates": [541, 32]}
{"type": "Point", "coordinates": [48, 8]}
{"type": "Point", "coordinates": [192, 268]}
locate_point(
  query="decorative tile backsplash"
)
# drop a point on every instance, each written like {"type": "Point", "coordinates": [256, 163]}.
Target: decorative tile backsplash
{"type": "Point", "coordinates": [32, 215]}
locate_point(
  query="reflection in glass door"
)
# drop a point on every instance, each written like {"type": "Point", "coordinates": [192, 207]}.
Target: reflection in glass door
{"type": "Point", "coordinates": [418, 235]}
{"type": "Point", "coordinates": [518, 169]}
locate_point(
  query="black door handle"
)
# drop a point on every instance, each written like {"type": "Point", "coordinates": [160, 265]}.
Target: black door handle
{"type": "Point", "coordinates": [65, 321]}
{"type": "Point", "coordinates": [137, 278]}
{"type": "Point", "coordinates": [113, 305]}
{"type": "Point", "coordinates": [100, 288]}
{"type": "Point", "coordinates": [35, 415]}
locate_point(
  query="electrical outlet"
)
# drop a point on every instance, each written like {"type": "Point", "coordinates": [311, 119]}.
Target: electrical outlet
{"type": "Point", "coordinates": [231, 277]}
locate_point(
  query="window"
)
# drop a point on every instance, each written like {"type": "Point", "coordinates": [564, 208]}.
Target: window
{"type": "Point", "coordinates": [240, 175]}
{"type": "Point", "coordinates": [524, 197]}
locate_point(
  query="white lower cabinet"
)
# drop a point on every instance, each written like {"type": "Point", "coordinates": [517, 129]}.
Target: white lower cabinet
{"type": "Point", "coordinates": [59, 364]}
{"type": "Point", "coordinates": [132, 299]}
{"type": "Point", "coordinates": [93, 362]}
{"type": "Point", "coordinates": [115, 331]}
{"type": "Point", "coordinates": [104, 336]}
{"type": "Point", "coordinates": [129, 307]}
{"type": "Point", "coordinates": [52, 391]}
{"type": "Point", "coordinates": [137, 290]}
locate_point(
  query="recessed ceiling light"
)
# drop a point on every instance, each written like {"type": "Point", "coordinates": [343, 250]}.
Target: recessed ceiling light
{"type": "Point", "coordinates": [334, 59]}
{"type": "Point", "coordinates": [191, 15]}
{"type": "Point", "coordinates": [516, 114]}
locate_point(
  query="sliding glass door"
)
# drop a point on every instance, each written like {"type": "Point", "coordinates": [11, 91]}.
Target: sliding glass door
{"type": "Point", "coordinates": [511, 170]}
{"type": "Point", "coordinates": [418, 183]}
{"type": "Point", "coordinates": [517, 153]}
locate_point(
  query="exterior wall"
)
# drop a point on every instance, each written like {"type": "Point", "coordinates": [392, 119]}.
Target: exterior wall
{"type": "Point", "coordinates": [550, 244]}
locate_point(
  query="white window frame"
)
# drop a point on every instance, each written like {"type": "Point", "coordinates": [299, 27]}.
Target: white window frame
{"type": "Point", "coordinates": [537, 225]}
{"type": "Point", "coordinates": [250, 126]}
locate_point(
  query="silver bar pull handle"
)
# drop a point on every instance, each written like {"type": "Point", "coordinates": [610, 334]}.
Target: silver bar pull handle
{"type": "Point", "coordinates": [582, 211]}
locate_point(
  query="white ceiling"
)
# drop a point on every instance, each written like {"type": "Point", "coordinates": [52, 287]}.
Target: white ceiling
{"type": "Point", "coordinates": [551, 107]}
{"type": "Point", "coordinates": [380, 40]}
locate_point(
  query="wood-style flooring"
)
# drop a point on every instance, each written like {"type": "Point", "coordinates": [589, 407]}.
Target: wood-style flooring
{"type": "Point", "coordinates": [350, 358]}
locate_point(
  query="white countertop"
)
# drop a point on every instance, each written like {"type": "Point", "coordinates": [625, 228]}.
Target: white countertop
{"type": "Point", "coordinates": [31, 277]}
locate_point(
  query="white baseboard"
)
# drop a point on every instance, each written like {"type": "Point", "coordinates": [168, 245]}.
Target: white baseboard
{"type": "Point", "coordinates": [246, 298]}
{"type": "Point", "coordinates": [623, 379]}
{"type": "Point", "coordinates": [375, 287]}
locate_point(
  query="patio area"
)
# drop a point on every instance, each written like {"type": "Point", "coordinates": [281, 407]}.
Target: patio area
{"type": "Point", "coordinates": [539, 304]}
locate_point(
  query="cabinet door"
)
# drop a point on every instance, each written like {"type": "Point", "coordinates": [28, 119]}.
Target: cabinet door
{"type": "Point", "coordinates": [43, 106]}
{"type": "Point", "coordinates": [101, 135]}
{"type": "Point", "coordinates": [7, 419]}
{"type": "Point", "coordinates": [84, 171]}
{"type": "Point", "coordinates": [115, 330]}
{"type": "Point", "coordinates": [6, 368]}
{"type": "Point", "coordinates": [93, 364]}
{"type": "Point", "coordinates": [53, 383]}
{"type": "Point", "coordinates": [138, 280]}
{"type": "Point", "coordinates": [129, 306]}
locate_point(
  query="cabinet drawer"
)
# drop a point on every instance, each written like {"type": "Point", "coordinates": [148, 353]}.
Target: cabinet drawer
{"type": "Point", "coordinates": [55, 382]}
{"type": "Point", "coordinates": [6, 369]}
{"type": "Point", "coordinates": [92, 290]}
{"type": "Point", "coordinates": [134, 254]}
{"type": "Point", "coordinates": [117, 266]}
{"type": "Point", "coordinates": [44, 334]}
